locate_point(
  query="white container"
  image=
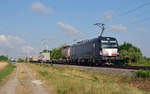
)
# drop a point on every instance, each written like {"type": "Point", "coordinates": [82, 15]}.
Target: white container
{"type": "Point", "coordinates": [45, 56]}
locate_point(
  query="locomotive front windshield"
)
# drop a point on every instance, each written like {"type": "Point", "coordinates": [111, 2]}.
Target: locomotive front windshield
{"type": "Point", "coordinates": [109, 43]}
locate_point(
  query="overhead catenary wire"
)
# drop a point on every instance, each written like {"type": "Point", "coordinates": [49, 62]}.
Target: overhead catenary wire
{"type": "Point", "coordinates": [144, 20]}
{"type": "Point", "coordinates": [123, 14]}
{"type": "Point", "coordinates": [131, 11]}
{"type": "Point", "coordinates": [135, 9]}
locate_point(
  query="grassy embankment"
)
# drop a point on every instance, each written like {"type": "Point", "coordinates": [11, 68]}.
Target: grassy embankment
{"type": "Point", "coordinates": [74, 81]}
{"type": "Point", "coordinates": [5, 72]}
{"type": "Point", "coordinates": [142, 80]}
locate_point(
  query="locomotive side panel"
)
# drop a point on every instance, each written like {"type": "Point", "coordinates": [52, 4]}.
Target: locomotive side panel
{"type": "Point", "coordinates": [100, 50]}
{"type": "Point", "coordinates": [85, 50]}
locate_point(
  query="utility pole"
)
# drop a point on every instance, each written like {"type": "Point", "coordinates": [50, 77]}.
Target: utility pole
{"type": "Point", "coordinates": [100, 25]}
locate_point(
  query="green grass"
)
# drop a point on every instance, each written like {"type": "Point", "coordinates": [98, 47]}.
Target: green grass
{"type": "Point", "coordinates": [142, 74]}
{"type": "Point", "coordinates": [73, 81]}
{"type": "Point", "coordinates": [6, 71]}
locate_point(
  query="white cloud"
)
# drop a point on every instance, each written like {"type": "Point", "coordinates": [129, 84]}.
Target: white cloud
{"type": "Point", "coordinates": [27, 49]}
{"type": "Point", "coordinates": [40, 8]}
{"type": "Point", "coordinates": [10, 41]}
{"type": "Point", "coordinates": [117, 28]}
{"type": "Point", "coordinates": [14, 46]}
{"type": "Point", "coordinates": [71, 30]}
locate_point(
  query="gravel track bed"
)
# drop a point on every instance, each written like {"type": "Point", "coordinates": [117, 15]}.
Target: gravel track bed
{"type": "Point", "coordinates": [103, 70]}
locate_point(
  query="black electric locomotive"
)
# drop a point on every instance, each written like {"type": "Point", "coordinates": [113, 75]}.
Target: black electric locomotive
{"type": "Point", "coordinates": [99, 50]}
{"type": "Point", "coordinates": [95, 51]}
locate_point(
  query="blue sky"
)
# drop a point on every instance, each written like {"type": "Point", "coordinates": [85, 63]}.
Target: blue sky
{"type": "Point", "coordinates": [26, 25]}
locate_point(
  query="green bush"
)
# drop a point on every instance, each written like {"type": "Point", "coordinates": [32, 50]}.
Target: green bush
{"type": "Point", "coordinates": [142, 74]}
{"type": "Point", "coordinates": [56, 53]}
{"type": "Point", "coordinates": [132, 55]}
{"type": "Point", "coordinates": [129, 53]}
{"type": "Point", "coordinates": [3, 58]}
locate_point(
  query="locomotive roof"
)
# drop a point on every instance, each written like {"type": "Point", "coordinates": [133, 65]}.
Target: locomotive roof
{"type": "Point", "coordinates": [95, 39]}
{"type": "Point", "coordinates": [66, 46]}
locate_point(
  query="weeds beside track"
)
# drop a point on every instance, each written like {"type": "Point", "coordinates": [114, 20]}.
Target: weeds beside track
{"type": "Point", "coordinates": [66, 80]}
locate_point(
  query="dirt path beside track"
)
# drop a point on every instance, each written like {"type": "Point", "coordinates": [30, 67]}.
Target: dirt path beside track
{"type": "Point", "coordinates": [23, 82]}
{"type": "Point", "coordinates": [10, 86]}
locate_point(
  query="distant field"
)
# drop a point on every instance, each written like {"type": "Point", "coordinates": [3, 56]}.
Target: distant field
{"type": "Point", "coordinates": [74, 81]}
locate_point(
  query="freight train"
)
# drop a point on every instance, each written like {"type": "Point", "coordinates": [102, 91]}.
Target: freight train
{"type": "Point", "coordinates": [97, 51]}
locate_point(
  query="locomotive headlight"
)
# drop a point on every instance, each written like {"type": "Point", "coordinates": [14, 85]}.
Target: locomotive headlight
{"type": "Point", "coordinates": [114, 50]}
{"type": "Point", "coordinates": [100, 53]}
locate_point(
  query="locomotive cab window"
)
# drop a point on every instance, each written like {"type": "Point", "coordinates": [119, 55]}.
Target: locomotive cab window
{"type": "Point", "coordinates": [109, 43]}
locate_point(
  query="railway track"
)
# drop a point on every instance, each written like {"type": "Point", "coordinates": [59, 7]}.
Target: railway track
{"type": "Point", "coordinates": [125, 67]}
{"type": "Point", "coordinates": [118, 66]}
{"type": "Point", "coordinates": [112, 66]}
{"type": "Point", "coordinates": [132, 67]}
